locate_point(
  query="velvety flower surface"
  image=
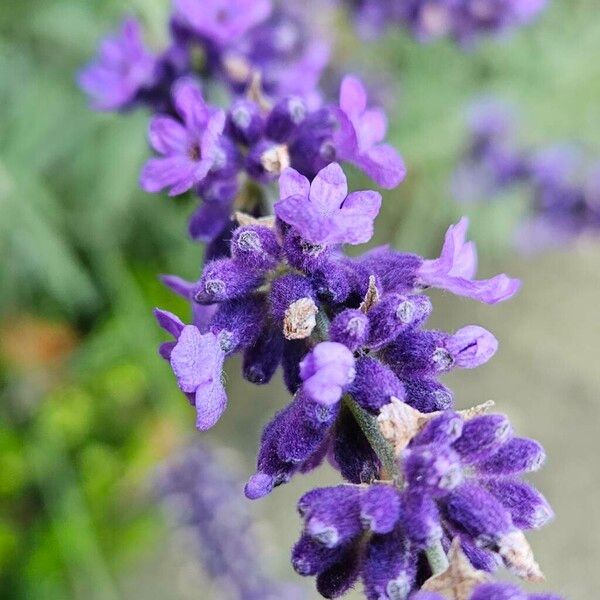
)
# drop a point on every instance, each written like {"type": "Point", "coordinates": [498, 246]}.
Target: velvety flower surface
{"type": "Point", "coordinates": [323, 212]}
{"type": "Point", "coordinates": [121, 70]}
{"type": "Point", "coordinates": [190, 148]}
{"type": "Point", "coordinates": [197, 362]}
{"type": "Point", "coordinates": [361, 133]}
{"type": "Point", "coordinates": [491, 591]}
{"type": "Point", "coordinates": [462, 478]}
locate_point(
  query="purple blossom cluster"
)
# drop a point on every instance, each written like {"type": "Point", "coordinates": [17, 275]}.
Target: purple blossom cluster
{"type": "Point", "coordinates": [462, 20]}
{"type": "Point", "coordinates": [460, 481]}
{"type": "Point", "coordinates": [276, 118]}
{"type": "Point", "coordinates": [432, 500]}
{"type": "Point", "coordinates": [562, 185]}
{"type": "Point", "coordinates": [199, 493]}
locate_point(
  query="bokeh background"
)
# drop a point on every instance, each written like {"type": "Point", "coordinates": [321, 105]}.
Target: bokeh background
{"type": "Point", "coordinates": [88, 410]}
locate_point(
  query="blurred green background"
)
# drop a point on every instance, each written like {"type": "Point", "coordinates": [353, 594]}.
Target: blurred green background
{"type": "Point", "coordinates": [87, 409]}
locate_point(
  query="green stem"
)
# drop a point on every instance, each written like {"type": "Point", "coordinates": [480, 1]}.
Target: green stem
{"type": "Point", "coordinates": [370, 427]}
{"type": "Point", "coordinates": [438, 561]}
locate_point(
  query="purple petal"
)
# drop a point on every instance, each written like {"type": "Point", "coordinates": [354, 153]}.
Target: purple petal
{"type": "Point", "coordinates": [211, 402]}
{"type": "Point", "coordinates": [169, 322]}
{"type": "Point", "coordinates": [178, 285]}
{"type": "Point", "coordinates": [209, 220]}
{"type": "Point", "coordinates": [329, 189]}
{"type": "Point", "coordinates": [372, 127]}
{"type": "Point", "coordinates": [292, 183]}
{"type": "Point", "coordinates": [353, 96]}
{"type": "Point", "coordinates": [165, 349]}
{"type": "Point", "coordinates": [471, 346]}
{"type": "Point", "coordinates": [177, 172]}
{"type": "Point", "coordinates": [190, 104]}
{"type": "Point", "coordinates": [167, 136]}
{"type": "Point", "coordinates": [383, 164]}
{"type": "Point", "coordinates": [196, 360]}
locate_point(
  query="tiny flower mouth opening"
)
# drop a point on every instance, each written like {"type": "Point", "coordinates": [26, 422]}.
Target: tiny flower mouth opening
{"type": "Point", "coordinates": [223, 16]}
{"type": "Point", "coordinates": [194, 152]}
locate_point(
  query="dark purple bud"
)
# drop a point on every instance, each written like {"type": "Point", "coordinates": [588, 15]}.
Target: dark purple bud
{"type": "Point", "coordinates": [354, 456]}
{"type": "Point", "coordinates": [340, 577]}
{"type": "Point", "coordinates": [427, 395]}
{"type": "Point", "coordinates": [271, 471]}
{"type": "Point", "coordinates": [480, 558]}
{"type": "Point", "coordinates": [443, 430]}
{"type": "Point", "coordinates": [397, 272]}
{"type": "Point", "coordinates": [482, 436]}
{"type": "Point", "coordinates": [518, 455]}
{"type": "Point", "coordinates": [303, 255]}
{"type": "Point", "coordinates": [238, 323]}
{"type": "Point", "coordinates": [478, 513]}
{"type": "Point", "coordinates": [389, 567]}
{"type": "Point", "coordinates": [341, 280]}
{"type": "Point", "coordinates": [432, 469]}
{"type": "Point", "coordinates": [332, 517]}
{"type": "Point", "coordinates": [380, 507]}
{"type": "Point", "coordinates": [293, 353]}
{"type": "Point", "coordinates": [284, 119]}
{"type": "Point", "coordinates": [263, 357]}
{"type": "Point", "coordinates": [245, 121]}
{"type": "Point", "coordinates": [420, 519]}
{"type": "Point", "coordinates": [374, 384]}
{"type": "Point", "coordinates": [419, 353]}
{"type": "Point", "coordinates": [309, 557]}
{"type": "Point", "coordinates": [395, 313]}
{"type": "Point", "coordinates": [225, 279]}
{"type": "Point", "coordinates": [300, 437]}
{"type": "Point", "coordinates": [351, 328]}
{"type": "Point", "coordinates": [471, 346]}
{"type": "Point", "coordinates": [527, 507]}
{"type": "Point", "coordinates": [286, 290]}
{"type": "Point", "coordinates": [255, 247]}
{"type": "Point", "coordinates": [498, 591]}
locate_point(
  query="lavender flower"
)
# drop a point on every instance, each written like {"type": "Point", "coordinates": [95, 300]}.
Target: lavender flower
{"type": "Point", "coordinates": [560, 182]}
{"type": "Point", "coordinates": [221, 21]}
{"type": "Point", "coordinates": [123, 68]}
{"type": "Point", "coordinates": [190, 149]}
{"type": "Point", "coordinates": [197, 362]}
{"type": "Point", "coordinates": [349, 333]}
{"type": "Point", "coordinates": [199, 492]}
{"type": "Point", "coordinates": [463, 20]}
{"type": "Point", "coordinates": [323, 212]}
{"type": "Point", "coordinates": [360, 135]}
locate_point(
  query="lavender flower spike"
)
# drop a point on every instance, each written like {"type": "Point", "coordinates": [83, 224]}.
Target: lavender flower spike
{"type": "Point", "coordinates": [190, 150]}
{"type": "Point", "coordinates": [323, 212]}
{"type": "Point", "coordinates": [222, 21]}
{"type": "Point", "coordinates": [326, 372]}
{"type": "Point", "coordinates": [361, 131]}
{"type": "Point", "coordinates": [455, 268]}
{"type": "Point", "coordinates": [197, 361]}
{"type": "Point", "coordinates": [123, 67]}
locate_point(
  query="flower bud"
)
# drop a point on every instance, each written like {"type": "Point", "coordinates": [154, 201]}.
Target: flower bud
{"type": "Point", "coordinates": [255, 247]}
{"type": "Point", "coordinates": [224, 279]}
{"type": "Point", "coordinates": [471, 346]}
